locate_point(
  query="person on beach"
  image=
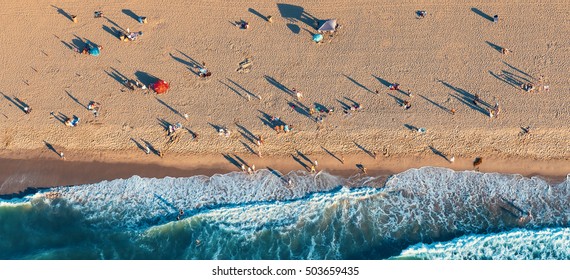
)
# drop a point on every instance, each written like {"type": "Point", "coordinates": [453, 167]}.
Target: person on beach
{"type": "Point", "coordinates": [316, 163]}
{"type": "Point", "coordinates": [298, 94]}
{"type": "Point", "coordinates": [497, 109]}
{"type": "Point", "coordinates": [61, 155]}
{"type": "Point", "coordinates": [147, 150]}
{"type": "Point", "coordinates": [243, 168]}
{"type": "Point", "coordinates": [394, 86]}
{"type": "Point", "coordinates": [259, 152]}
{"type": "Point", "coordinates": [495, 18]}
{"type": "Point", "coordinates": [477, 162]}
{"type": "Point", "coordinates": [244, 25]}
{"type": "Point", "coordinates": [452, 160]}
{"type": "Point", "coordinates": [94, 108]}
{"type": "Point", "coordinates": [407, 104]}
{"type": "Point", "coordinates": [27, 109]}
{"type": "Point", "coordinates": [452, 111]}
{"type": "Point", "coordinates": [526, 130]}
{"type": "Point", "coordinates": [253, 167]}
{"type": "Point", "coordinates": [476, 99]}
{"type": "Point", "coordinates": [374, 155]}
{"type": "Point", "coordinates": [421, 14]}
{"type": "Point", "coordinates": [249, 171]}
{"type": "Point", "coordinates": [313, 169]}
{"type": "Point", "coordinates": [528, 87]}
{"type": "Point", "coordinates": [260, 140]}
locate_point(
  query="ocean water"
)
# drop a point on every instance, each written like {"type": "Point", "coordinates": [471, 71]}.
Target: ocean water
{"type": "Point", "coordinates": [426, 213]}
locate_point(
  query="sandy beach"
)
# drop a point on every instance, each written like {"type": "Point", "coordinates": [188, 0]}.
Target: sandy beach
{"type": "Point", "coordinates": [444, 60]}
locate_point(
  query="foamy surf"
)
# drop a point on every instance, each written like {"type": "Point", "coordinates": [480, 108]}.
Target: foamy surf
{"type": "Point", "coordinates": [519, 244]}
{"type": "Point", "coordinates": [262, 216]}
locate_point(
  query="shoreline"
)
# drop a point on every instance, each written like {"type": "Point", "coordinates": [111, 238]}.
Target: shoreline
{"type": "Point", "coordinates": [24, 172]}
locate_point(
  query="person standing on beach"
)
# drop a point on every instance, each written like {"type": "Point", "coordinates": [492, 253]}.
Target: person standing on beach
{"type": "Point", "coordinates": [316, 163]}
{"type": "Point", "coordinates": [243, 168]}
{"type": "Point", "coordinates": [61, 155]}
{"type": "Point", "coordinates": [298, 94]}
{"type": "Point", "coordinates": [497, 109]}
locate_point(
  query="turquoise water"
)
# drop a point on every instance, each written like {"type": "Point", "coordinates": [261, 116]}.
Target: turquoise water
{"type": "Point", "coordinates": [427, 213]}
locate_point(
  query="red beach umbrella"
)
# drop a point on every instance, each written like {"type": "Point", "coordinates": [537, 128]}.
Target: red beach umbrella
{"type": "Point", "coordinates": [160, 87]}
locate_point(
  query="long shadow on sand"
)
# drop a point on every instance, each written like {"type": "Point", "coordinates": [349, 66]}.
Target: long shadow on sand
{"type": "Point", "coordinates": [63, 12]}
{"type": "Point", "coordinates": [357, 83]}
{"type": "Point", "coordinates": [496, 47]}
{"type": "Point", "coordinates": [297, 13]}
{"type": "Point", "coordinates": [145, 78]}
{"type": "Point", "coordinates": [482, 14]}
{"type": "Point", "coordinates": [467, 99]}
{"type": "Point", "coordinates": [75, 99]}
{"type": "Point", "coordinates": [169, 107]}
{"type": "Point", "coordinates": [278, 85]}
{"type": "Point", "coordinates": [255, 12]}
{"type": "Point", "coordinates": [131, 14]}
{"type": "Point", "coordinates": [435, 104]}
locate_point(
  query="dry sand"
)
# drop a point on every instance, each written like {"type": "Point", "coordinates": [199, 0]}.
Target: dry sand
{"type": "Point", "coordinates": [442, 59]}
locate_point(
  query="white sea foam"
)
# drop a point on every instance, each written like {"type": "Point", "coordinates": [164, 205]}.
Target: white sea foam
{"type": "Point", "coordinates": [424, 203]}
{"type": "Point", "coordinates": [520, 244]}
{"type": "Point", "coordinates": [320, 217]}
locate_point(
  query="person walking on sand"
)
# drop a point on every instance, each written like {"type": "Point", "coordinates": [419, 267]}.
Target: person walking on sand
{"type": "Point", "coordinates": [298, 94]}
{"type": "Point", "coordinates": [27, 109]}
{"type": "Point", "coordinates": [313, 169]}
{"type": "Point", "coordinates": [243, 168]}
{"type": "Point", "coordinates": [249, 171]}
{"type": "Point", "coordinates": [61, 155]}
{"type": "Point", "coordinates": [497, 109]}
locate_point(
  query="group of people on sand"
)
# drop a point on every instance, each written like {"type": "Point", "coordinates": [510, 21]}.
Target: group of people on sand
{"type": "Point", "coordinates": [248, 169]}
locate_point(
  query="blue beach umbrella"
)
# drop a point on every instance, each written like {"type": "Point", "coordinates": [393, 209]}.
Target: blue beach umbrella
{"type": "Point", "coordinates": [317, 37]}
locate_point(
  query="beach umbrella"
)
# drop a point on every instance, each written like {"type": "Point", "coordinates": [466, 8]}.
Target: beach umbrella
{"type": "Point", "coordinates": [317, 37]}
{"type": "Point", "coordinates": [328, 26]}
{"type": "Point", "coordinates": [160, 87]}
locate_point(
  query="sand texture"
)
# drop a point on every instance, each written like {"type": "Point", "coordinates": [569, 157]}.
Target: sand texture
{"type": "Point", "coordinates": [444, 60]}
